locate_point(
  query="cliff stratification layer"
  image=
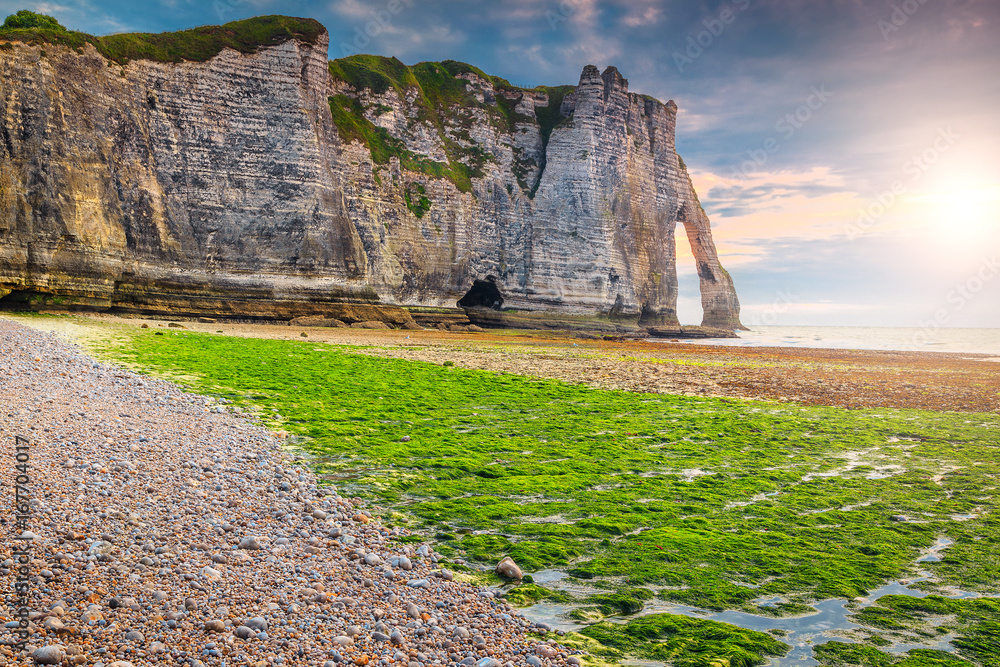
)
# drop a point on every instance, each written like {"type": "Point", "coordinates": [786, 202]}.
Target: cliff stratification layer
{"type": "Point", "coordinates": [267, 182]}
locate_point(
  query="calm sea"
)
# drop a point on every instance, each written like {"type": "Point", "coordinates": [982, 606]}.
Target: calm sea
{"type": "Point", "coordinates": [982, 341]}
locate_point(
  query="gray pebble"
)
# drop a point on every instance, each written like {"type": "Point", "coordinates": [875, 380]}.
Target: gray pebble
{"type": "Point", "coordinates": [48, 655]}
{"type": "Point", "coordinates": [244, 632]}
{"type": "Point", "coordinates": [258, 623]}
{"type": "Point", "coordinates": [251, 543]}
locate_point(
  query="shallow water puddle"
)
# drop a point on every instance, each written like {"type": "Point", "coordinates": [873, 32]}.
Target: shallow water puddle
{"type": "Point", "coordinates": [943, 643]}
{"type": "Point", "coordinates": [933, 553]}
{"type": "Point", "coordinates": [830, 622]}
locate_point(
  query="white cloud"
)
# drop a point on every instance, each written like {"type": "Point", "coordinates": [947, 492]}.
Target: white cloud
{"type": "Point", "coordinates": [352, 8]}
{"type": "Point", "coordinates": [640, 16]}
{"type": "Point", "coordinates": [584, 13]}
{"type": "Point", "coordinates": [50, 8]}
{"type": "Point", "coordinates": [79, 15]}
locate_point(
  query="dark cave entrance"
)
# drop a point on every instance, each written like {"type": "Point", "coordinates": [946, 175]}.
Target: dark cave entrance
{"type": "Point", "coordinates": [21, 300]}
{"type": "Point", "coordinates": [482, 294]}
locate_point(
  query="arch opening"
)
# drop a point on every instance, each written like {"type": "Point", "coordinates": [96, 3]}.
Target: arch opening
{"type": "Point", "coordinates": [689, 303]}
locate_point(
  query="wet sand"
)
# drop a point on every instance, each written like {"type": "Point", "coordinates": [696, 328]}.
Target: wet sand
{"type": "Point", "coordinates": [842, 378]}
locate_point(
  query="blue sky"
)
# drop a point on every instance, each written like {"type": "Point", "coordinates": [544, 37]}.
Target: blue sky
{"type": "Point", "coordinates": [847, 151]}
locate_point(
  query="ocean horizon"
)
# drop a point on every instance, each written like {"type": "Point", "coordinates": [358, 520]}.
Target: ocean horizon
{"type": "Point", "coordinates": [900, 339]}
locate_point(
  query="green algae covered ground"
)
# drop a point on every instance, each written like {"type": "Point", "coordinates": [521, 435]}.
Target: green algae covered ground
{"type": "Point", "coordinates": [902, 618]}
{"type": "Point", "coordinates": [713, 503]}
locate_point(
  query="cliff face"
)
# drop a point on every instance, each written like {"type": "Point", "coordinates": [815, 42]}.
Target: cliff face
{"type": "Point", "coordinates": [194, 187]}
{"type": "Point", "coordinates": [269, 183]}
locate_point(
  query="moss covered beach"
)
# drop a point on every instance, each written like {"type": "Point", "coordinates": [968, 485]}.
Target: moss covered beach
{"type": "Point", "coordinates": [682, 529]}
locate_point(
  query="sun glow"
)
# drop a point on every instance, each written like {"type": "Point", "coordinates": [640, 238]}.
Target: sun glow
{"type": "Point", "coordinates": [962, 214]}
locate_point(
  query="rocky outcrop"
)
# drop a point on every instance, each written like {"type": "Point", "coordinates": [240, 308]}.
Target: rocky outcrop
{"type": "Point", "coordinates": [572, 217]}
{"type": "Point", "coordinates": [688, 333]}
{"type": "Point", "coordinates": [263, 183]}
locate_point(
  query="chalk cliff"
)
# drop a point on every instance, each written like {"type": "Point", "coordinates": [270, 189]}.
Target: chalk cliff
{"type": "Point", "coordinates": [261, 180]}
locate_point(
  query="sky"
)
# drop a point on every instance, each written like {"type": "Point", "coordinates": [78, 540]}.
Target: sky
{"type": "Point", "coordinates": [846, 151]}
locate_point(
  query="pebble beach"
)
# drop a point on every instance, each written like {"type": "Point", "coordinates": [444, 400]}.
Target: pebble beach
{"type": "Point", "coordinates": [164, 530]}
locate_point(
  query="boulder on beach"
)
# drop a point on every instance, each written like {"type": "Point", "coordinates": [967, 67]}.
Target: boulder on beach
{"type": "Point", "coordinates": [508, 569]}
{"type": "Point", "coordinates": [258, 623]}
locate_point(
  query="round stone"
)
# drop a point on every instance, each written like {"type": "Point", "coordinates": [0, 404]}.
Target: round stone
{"type": "Point", "coordinates": [508, 569]}
{"type": "Point", "coordinates": [244, 632]}
{"type": "Point", "coordinates": [48, 655]}
{"type": "Point", "coordinates": [251, 543]}
{"type": "Point", "coordinates": [545, 651]}
{"type": "Point", "coordinates": [215, 625]}
{"type": "Point", "coordinates": [258, 623]}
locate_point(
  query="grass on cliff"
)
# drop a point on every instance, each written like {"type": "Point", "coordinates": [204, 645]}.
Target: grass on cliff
{"type": "Point", "coordinates": [352, 125]}
{"type": "Point", "coordinates": [442, 100]}
{"type": "Point", "coordinates": [440, 93]}
{"type": "Point", "coordinates": [708, 502]}
{"type": "Point", "coordinates": [196, 44]}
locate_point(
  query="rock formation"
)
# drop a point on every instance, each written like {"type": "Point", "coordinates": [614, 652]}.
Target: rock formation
{"type": "Point", "coordinates": [267, 182]}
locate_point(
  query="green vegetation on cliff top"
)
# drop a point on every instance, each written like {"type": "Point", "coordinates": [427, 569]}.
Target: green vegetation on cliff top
{"type": "Point", "coordinates": [443, 100]}
{"type": "Point", "coordinates": [352, 125]}
{"type": "Point", "coordinates": [437, 84]}
{"type": "Point", "coordinates": [438, 92]}
{"type": "Point", "coordinates": [28, 20]}
{"type": "Point", "coordinates": [196, 44]}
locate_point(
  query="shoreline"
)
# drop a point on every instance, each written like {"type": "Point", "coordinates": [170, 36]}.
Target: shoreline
{"type": "Point", "coordinates": [888, 339]}
{"type": "Point", "coordinates": [855, 379]}
{"type": "Point", "coordinates": [167, 529]}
